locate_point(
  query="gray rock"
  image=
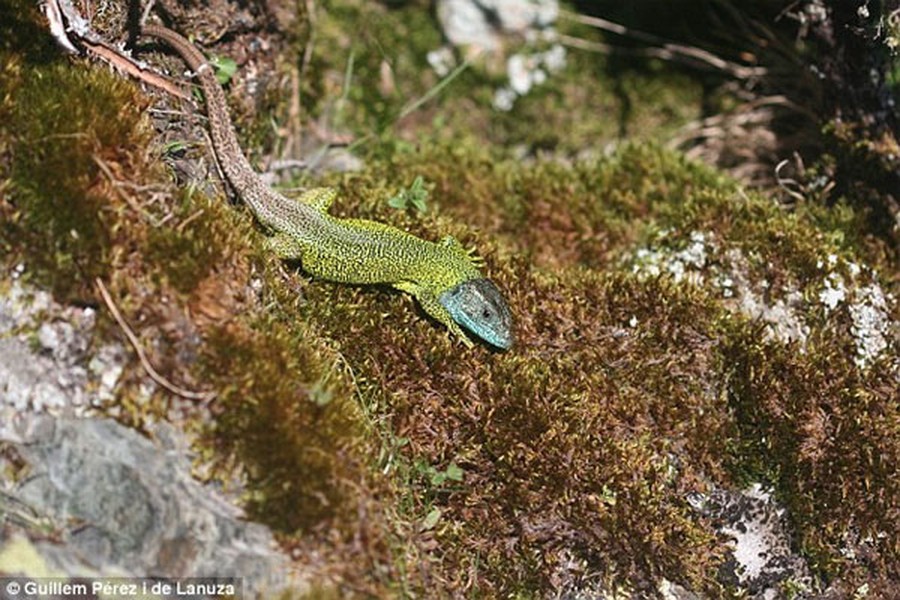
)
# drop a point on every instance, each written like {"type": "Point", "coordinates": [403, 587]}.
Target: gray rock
{"type": "Point", "coordinates": [46, 362]}
{"type": "Point", "coordinates": [124, 504]}
{"type": "Point", "coordinates": [82, 495]}
{"type": "Point", "coordinates": [47, 378]}
{"type": "Point", "coordinates": [763, 562]}
{"type": "Point", "coordinates": [483, 23]}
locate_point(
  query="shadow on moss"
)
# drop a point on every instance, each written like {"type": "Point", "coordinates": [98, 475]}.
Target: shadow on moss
{"type": "Point", "coordinates": [71, 131]}
{"type": "Point", "coordinates": [287, 412]}
{"type": "Point", "coordinates": [22, 33]}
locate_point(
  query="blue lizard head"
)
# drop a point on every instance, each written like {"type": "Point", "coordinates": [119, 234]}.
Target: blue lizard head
{"type": "Point", "coordinates": [479, 306]}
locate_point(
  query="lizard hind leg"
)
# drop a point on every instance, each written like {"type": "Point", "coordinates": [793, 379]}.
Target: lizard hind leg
{"type": "Point", "coordinates": [284, 247]}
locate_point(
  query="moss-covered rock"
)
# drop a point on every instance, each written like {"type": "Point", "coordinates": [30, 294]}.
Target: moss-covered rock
{"type": "Point", "coordinates": [638, 379]}
{"type": "Point", "coordinates": [678, 335]}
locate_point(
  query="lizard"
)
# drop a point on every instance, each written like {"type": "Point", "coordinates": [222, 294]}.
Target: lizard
{"type": "Point", "coordinates": [442, 276]}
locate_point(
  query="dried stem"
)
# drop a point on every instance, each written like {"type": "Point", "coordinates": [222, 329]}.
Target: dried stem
{"type": "Point", "coordinates": [145, 362]}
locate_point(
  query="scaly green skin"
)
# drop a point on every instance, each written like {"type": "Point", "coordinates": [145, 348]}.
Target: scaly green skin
{"type": "Point", "coordinates": [367, 252]}
{"type": "Point", "coordinates": [441, 276]}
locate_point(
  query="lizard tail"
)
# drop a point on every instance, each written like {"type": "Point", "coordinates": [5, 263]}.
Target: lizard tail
{"type": "Point", "coordinates": [234, 164]}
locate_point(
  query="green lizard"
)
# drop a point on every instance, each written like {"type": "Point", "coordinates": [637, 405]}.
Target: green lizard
{"type": "Point", "coordinates": [441, 276]}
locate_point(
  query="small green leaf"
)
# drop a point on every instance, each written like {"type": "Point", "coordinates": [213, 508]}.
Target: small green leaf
{"type": "Point", "coordinates": [398, 202]}
{"type": "Point", "coordinates": [416, 195]}
{"type": "Point", "coordinates": [225, 68]}
{"type": "Point", "coordinates": [418, 185]}
{"type": "Point", "coordinates": [454, 472]}
{"type": "Point", "coordinates": [431, 519]}
{"type": "Point", "coordinates": [419, 203]}
{"type": "Point", "coordinates": [174, 147]}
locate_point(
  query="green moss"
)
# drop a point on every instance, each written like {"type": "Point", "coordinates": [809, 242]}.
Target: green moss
{"type": "Point", "coordinates": [205, 236]}
{"type": "Point", "coordinates": [288, 415]}
{"type": "Point", "coordinates": [865, 170]}
{"type": "Point", "coordinates": [584, 106]}
{"type": "Point", "coordinates": [319, 592]}
{"type": "Point", "coordinates": [589, 106]}
{"type": "Point", "coordinates": [70, 131]}
{"type": "Point", "coordinates": [383, 59]}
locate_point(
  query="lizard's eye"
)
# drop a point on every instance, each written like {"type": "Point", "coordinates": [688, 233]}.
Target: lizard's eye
{"type": "Point", "coordinates": [486, 314]}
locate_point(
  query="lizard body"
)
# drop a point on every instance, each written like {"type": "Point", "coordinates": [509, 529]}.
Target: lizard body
{"type": "Point", "coordinates": [441, 276]}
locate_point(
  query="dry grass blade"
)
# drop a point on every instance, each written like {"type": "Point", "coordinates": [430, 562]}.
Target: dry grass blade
{"type": "Point", "coordinates": [661, 48]}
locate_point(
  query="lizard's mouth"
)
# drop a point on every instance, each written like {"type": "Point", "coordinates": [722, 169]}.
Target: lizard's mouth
{"type": "Point", "coordinates": [479, 306]}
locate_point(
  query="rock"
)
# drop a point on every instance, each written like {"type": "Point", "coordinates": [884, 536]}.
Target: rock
{"type": "Point", "coordinates": [491, 26]}
{"type": "Point", "coordinates": [789, 310]}
{"type": "Point", "coordinates": [484, 23]}
{"type": "Point", "coordinates": [45, 358]}
{"type": "Point", "coordinates": [762, 561]}
{"type": "Point", "coordinates": [125, 504]}
{"type": "Point", "coordinates": [82, 495]}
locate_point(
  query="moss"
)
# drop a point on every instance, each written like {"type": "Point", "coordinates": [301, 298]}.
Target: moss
{"type": "Point", "coordinates": [319, 592]}
{"type": "Point", "coordinates": [827, 436]}
{"type": "Point", "coordinates": [73, 124]}
{"type": "Point", "coordinates": [384, 62]}
{"type": "Point", "coordinates": [206, 234]}
{"type": "Point", "coordinates": [86, 200]}
{"type": "Point", "coordinates": [625, 393]}
{"type": "Point", "coordinates": [289, 415]}
{"type": "Point", "coordinates": [23, 33]}
{"type": "Point", "coordinates": [553, 451]}
{"type": "Point", "coordinates": [389, 43]}
{"type": "Point", "coordinates": [594, 214]}
{"type": "Point", "coordinates": [339, 407]}
{"type": "Point", "coordinates": [866, 174]}
{"type": "Point", "coordinates": [590, 105]}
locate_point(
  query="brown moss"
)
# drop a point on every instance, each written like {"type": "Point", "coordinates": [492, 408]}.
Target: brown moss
{"type": "Point", "coordinates": [619, 399]}
{"type": "Point", "coordinates": [577, 440]}
{"type": "Point", "coordinates": [827, 436]}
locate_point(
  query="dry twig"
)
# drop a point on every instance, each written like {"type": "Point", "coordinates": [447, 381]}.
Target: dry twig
{"type": "Point", "coordinates": [145, 362]}
{"type": "Point", "coordinates": [128, 65]}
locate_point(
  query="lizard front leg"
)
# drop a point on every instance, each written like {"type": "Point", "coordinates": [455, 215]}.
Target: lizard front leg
{"type": "Point", "coordinates": [431, 305]}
